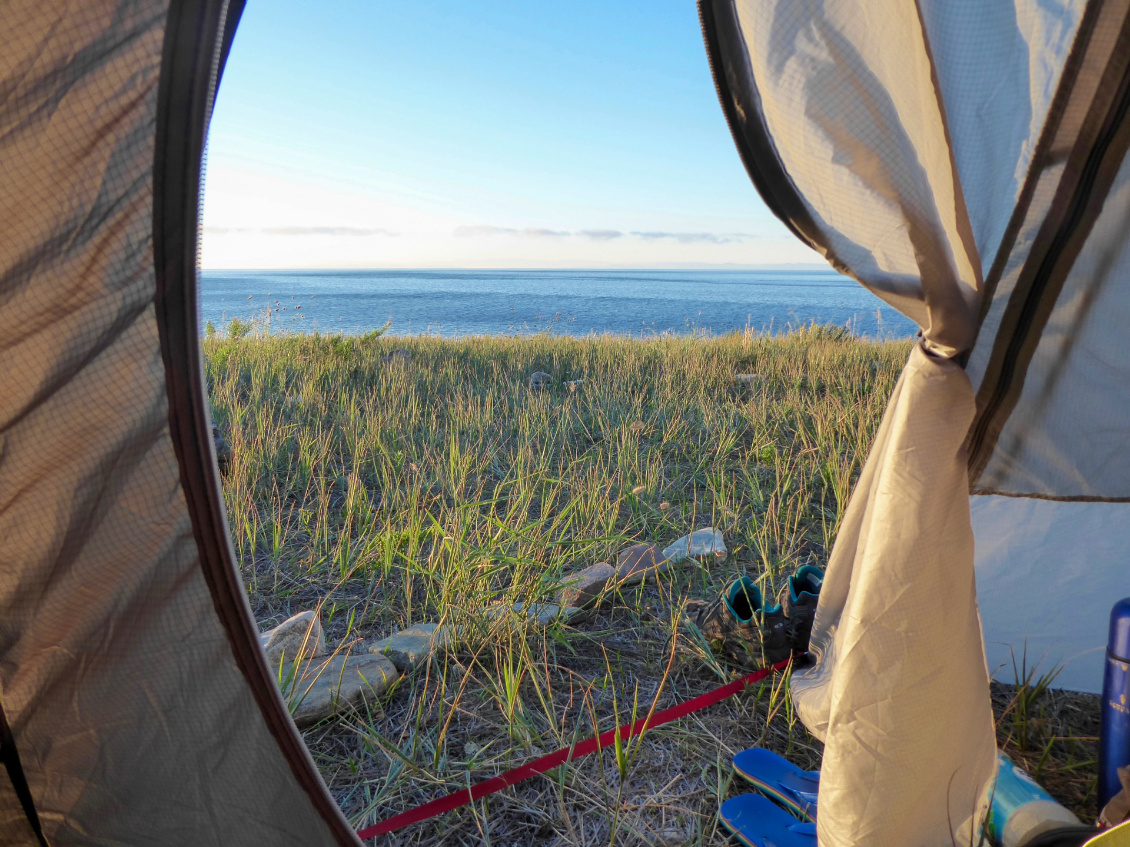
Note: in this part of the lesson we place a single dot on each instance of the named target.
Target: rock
(539, 380)
(223, 449)
(396, 357)
(298, 633)
(412, 647)
(701, 542)
(330, 686)
(748, 380)
(582, 588)
(638, 562)
(637, 426)
(540, 613)
(546, 613)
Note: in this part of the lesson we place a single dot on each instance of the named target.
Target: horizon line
(733, 266)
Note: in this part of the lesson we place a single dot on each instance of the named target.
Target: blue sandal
(781, 780)
(757, 821)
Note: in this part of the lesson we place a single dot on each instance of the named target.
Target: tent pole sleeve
(195, 43)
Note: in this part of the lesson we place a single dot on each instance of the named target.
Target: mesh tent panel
(133, 721)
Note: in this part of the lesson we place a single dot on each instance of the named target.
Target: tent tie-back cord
(463, 796)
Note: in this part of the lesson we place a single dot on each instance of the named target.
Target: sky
(496, 134)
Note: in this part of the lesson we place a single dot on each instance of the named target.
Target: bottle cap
(1119, 644)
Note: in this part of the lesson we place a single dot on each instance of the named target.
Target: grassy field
(387, 493)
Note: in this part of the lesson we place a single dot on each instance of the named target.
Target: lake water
(573, 302)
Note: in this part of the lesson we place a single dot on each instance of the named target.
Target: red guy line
(463, 796)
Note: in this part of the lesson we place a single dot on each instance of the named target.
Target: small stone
(701, 542)
(298, 636)
(540, 613)
(412, 647)
(396, 357)
(223, 449)
(748, 380)
(664, 506)
(637, 426)
(539, 380)
(638, 562)
(324, 689)
(582, 588)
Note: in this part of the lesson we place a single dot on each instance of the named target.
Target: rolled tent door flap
(959, 160)
(140, 708)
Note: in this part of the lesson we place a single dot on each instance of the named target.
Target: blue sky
(493, 134)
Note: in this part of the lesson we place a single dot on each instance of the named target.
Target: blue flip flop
(757, 821)
(781, 780)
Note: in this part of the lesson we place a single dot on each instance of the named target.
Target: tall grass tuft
(388, 490)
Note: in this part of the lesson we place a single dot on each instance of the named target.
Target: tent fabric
(1059, 563)
(899, 692)
(962, 161)
(1067, 435)
(138, 711)
(1073, 169)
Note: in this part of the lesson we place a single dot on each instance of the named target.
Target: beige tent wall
(1069, 432)
(961, 160)
(134, 722)
(899, 691)
(1047, 574)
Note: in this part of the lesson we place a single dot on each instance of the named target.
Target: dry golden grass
(386, 493)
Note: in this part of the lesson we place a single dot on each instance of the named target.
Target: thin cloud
(545, 233)
(694, 237)
(603, 234)
(326, 230)
(528, 232)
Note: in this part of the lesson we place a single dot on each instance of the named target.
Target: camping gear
(1069, 836)
(964, 161)
(1021, 809)
(1114, 736)
(799, 599)
(757, 821)
(741, 625)
(781, 780)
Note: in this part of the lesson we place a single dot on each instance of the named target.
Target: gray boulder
(323, 688)
(582, 588)
(411, 647)
(299, 635)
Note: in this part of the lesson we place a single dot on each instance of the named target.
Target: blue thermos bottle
(1114, 739)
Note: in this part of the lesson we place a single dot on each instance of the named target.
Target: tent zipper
(1079, 201)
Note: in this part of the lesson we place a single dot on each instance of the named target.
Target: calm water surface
(474, 302)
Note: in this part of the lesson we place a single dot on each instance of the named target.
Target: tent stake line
(463, 796)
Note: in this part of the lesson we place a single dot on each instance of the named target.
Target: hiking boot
(799, 600)
(740, 625)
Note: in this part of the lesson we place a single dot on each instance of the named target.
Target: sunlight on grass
(393, 490)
